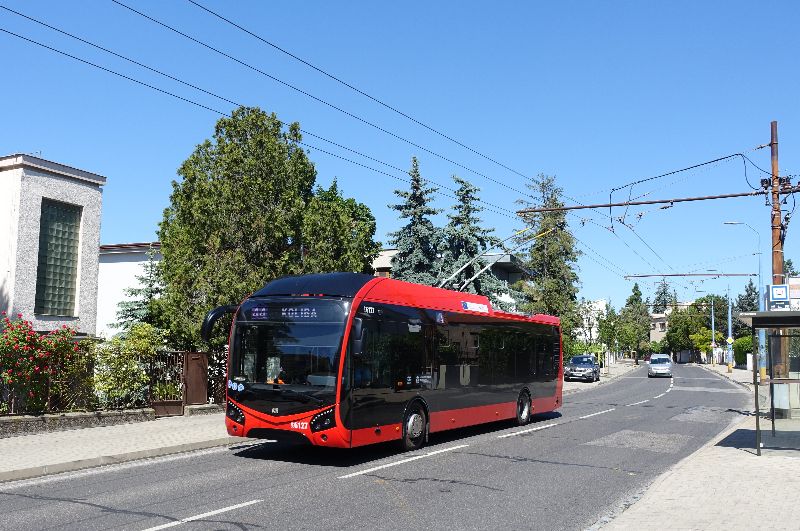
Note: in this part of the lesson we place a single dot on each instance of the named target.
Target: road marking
(598, 413)
(637, 403)
(204, 515)
(529, 430)
(659, 396)
(402, 461)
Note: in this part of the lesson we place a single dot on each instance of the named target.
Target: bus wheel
(414, 427)
(523, 408)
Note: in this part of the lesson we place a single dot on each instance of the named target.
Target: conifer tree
(463, 239)
(418, 240)
(139, 306)
(551, 258)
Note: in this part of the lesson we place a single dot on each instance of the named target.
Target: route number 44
(299, 425)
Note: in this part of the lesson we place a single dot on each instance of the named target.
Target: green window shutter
(57, 271)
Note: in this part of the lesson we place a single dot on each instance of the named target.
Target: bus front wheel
(523, 408)
(414, 427)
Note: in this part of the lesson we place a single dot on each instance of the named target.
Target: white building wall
(118, 272)
(10, 184)
(45, 179)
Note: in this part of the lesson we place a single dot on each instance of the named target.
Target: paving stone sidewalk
(724, 485)
(39, 454)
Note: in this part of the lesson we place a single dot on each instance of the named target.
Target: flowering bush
(29, 361)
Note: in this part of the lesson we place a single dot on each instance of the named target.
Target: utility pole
(729, 340)
(713, 334)
(777, 244)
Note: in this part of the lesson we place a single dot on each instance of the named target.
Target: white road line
(402, 461)
(529, 430)
(659, 396)
(668, 390)
(637, 403)
(598, 413)
(204, 515)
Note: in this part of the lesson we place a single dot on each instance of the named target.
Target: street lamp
(761, 332)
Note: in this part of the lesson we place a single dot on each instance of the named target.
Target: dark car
(583, 368)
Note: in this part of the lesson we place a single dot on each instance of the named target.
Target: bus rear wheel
(523, 408)
(414, 427)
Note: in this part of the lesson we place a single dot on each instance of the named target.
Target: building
(49, 236)
(589, 329)
(120, 265)
(659, 322)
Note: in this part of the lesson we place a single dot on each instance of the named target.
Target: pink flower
(19, 316)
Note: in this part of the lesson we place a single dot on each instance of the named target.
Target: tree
(462, 240)
(682, 324)
(635, 319)
(588, 321)
(703, 307)
(789, 269)
(337, 234)
(418, 240)
(140, 307)
(701, 340)
(607, 326)
(551, 257)
(745, 302)
(236, 220)
(664, 298)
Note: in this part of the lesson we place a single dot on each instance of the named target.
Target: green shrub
(741, 348)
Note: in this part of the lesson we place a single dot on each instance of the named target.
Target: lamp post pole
(762, 357)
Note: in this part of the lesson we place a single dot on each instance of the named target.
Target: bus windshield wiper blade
(307, 397)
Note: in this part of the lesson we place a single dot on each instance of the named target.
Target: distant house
(658, 326)
(49, 234)
(120, 265)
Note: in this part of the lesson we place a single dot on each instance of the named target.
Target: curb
(746, 385)
(71, 466)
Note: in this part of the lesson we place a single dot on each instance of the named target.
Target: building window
(662, 327)
(57, 271)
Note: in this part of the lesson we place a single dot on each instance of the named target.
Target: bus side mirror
(212, 317)
(357, 335)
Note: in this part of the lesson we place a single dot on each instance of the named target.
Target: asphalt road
(563, 471)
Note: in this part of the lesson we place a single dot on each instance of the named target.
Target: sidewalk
(38, 454)
(724, 485)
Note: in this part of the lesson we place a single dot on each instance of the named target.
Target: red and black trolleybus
(345, 360)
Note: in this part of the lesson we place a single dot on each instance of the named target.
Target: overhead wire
(352, 87)
(316, 98)
(205, 91)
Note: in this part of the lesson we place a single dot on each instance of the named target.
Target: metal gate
(166, 383)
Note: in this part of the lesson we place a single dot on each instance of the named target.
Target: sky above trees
(597, 94)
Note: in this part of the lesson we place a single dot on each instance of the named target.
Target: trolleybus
(345, 360)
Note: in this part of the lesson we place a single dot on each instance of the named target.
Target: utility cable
(315, 98)
(205, 91)
(352, 87)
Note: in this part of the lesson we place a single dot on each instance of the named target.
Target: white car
(659, 365)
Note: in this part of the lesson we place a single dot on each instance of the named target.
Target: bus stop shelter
(776, 378)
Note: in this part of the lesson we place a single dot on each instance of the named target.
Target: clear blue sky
(598, 94)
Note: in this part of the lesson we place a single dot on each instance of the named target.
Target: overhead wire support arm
(654, 201)
(692, 275)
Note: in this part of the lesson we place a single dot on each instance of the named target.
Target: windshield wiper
(306, 397)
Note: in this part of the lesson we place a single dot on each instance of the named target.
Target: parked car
(583, 367)
(659, 365)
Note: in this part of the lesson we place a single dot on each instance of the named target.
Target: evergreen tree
(418, 240)
(337, 234)
(635, 319)
(664, 298)
(240, 217)
(745, 302)
(462, 240)
(141, 299)
(551, 258)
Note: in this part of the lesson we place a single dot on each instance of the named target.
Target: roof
(334, 284)
(770, 319)
(129, 247)
(22, 160)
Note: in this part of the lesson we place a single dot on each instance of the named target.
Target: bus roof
(392, 291)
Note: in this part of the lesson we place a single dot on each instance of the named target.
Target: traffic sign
(729, 340)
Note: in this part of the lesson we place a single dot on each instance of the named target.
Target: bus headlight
(323, 421)
(234, 413)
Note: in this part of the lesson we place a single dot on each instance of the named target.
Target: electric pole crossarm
(656, 201)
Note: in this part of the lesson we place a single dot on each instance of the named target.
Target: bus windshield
(285, 353)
